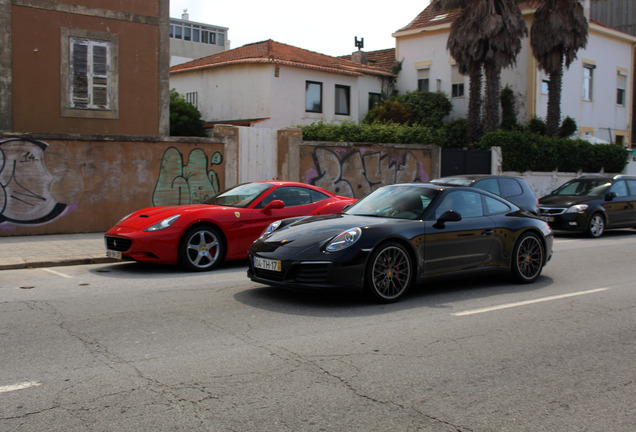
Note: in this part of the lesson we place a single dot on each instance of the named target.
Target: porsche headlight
(163, 224)
(344, 240)
(579, 208)
(270, 229)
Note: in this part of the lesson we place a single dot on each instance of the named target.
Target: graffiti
(356, 173)
(190, 183)
(27, 188)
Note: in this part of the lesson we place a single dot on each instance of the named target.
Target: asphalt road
(129, 347)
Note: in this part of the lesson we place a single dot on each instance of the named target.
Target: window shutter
(79, 73)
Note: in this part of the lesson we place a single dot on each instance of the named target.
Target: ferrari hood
(144, 218)
(563, 200)
(318, 229)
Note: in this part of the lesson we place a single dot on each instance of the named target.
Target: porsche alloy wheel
(527, 258)
(389, 273)
(202, 248)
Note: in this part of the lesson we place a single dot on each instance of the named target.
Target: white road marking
(527, 302)
(20, 386)
(57, 273)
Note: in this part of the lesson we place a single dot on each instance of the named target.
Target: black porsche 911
(399, 235)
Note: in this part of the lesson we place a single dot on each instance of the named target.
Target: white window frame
(343, 100)
(99, 74)
(587, 92)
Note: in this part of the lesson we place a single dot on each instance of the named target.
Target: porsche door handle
(487, 232)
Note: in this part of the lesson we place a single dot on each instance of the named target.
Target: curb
(57, 263)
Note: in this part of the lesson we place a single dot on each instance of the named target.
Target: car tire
(527, 258)
(596, 226)
(201, 248)
(389, 273)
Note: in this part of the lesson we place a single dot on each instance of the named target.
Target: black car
(399, 235)
(512, 188)
(592, 204)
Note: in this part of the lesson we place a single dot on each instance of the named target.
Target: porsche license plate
(113, 254)
(267, 264)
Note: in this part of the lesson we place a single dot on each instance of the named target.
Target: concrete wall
(64, 184)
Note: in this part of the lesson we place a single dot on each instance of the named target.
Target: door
(620, 207)
(459, 245)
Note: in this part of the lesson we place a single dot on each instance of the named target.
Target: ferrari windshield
(584, 187)
(240, 196)
(397, 201)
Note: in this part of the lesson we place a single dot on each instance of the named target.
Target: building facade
(273, 85)
(597, 87)
(191, 40)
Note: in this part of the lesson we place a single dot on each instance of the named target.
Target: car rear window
(510, 187)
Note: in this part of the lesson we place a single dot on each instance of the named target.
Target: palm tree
(559, 30)
(486, 33)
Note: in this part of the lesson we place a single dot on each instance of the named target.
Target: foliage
(508, 109)
(185, 118)
(527, 151)
(389, 111)
(568, 127)
(455, 133)
(536, 125)
(371, 133)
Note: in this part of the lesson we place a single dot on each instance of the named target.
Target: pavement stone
(53, 250)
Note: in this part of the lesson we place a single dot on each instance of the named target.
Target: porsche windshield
(588, 187)
(400, 202)
(240, 196)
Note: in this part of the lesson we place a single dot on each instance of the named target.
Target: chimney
(360, 57)
(185, 16)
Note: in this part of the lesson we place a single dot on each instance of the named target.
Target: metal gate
(258, 154)
(455, 162)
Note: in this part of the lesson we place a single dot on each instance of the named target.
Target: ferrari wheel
(202, 248)
(596, 226)
(389, 273)
(527, 258)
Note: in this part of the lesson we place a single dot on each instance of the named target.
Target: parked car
(200, 236)
(398, 236)
(512, 188)
(592, 204)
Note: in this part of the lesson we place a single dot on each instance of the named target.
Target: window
(342, 99)
(494, 206)
(620, 90)
(192, 98)
(89, 74)
(467, 204)
(510, 187)
(374, 99)
(544, 86)
(490, 185)
(458, 90)
(620, 189)
(588, 81)
(423, 79)
(313, 97)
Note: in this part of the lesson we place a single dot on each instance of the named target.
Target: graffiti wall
(66, 186)
(355, 171)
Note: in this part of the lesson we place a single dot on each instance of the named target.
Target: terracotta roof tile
(270, 51)
(429, 18)
(383, 59)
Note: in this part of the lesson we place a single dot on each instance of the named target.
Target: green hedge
(521, 150)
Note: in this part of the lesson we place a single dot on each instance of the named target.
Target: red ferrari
(200, 236)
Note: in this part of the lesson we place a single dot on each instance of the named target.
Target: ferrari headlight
(270, 229)
(163, 224)
(344, 240)
(579, 208)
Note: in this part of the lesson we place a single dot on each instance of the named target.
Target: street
(132, 347)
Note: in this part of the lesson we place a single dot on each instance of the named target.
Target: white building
(191, 40)
(597, 87)
(274, 85)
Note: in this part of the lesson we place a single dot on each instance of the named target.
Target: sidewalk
(52, 250)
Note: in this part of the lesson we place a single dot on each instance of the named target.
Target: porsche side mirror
(447, 216)
(610, 196)
(274, 205)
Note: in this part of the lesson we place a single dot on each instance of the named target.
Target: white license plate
(113, 254)
(267, 264)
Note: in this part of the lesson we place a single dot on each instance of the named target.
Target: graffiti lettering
(356, 173)
(189, 183)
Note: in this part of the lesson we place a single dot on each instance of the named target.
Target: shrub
(185, 118)
(568, 127)
(536, 125)
(387, 112)
(427, 108)
(456, 134)
(508, 109)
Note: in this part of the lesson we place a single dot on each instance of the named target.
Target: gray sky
(327, 26)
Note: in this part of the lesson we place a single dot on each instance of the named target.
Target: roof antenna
(359, 43)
